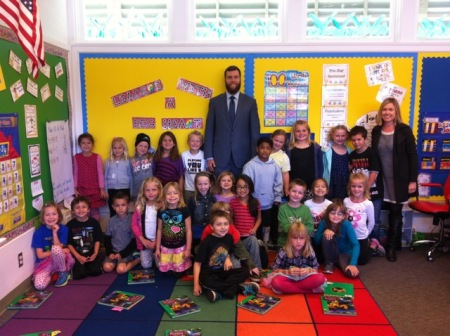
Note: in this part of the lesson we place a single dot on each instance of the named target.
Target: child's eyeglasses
(337, 213)
(241, 188)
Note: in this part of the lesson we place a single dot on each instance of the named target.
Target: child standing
(117, 171)
(141, 163)
(364, 160)
(193, 162)
(247, 216)
(318, 204)
(52, 255)
(338, 240)
(266, 176)
(280, 157)
(88, 177)
(213, 272)
(167, 163)
(360, 213)
(85, 235)
(293, 211)
(335, 162)
(144, 222)
(119, 241)
(305, 155)
(200, 205)
(295, 270)
(224, 187)
(174, 234)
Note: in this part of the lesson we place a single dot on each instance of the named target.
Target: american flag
(22, 16)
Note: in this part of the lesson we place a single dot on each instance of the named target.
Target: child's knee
(122, 268)
(108, 267)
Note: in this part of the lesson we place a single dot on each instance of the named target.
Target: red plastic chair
(440, 212)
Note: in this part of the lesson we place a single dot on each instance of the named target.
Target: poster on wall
(12, 204)
(285, 97)
(60, 157)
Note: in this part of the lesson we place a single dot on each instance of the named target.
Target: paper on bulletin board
(31, 121)
(38, 202)
(333, 116)
(35, 160)
(2, 80)
(335, 74)
(379, 73)
(36, 188)
(388, 90)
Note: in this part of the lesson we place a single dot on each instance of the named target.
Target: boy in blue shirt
(266, 176)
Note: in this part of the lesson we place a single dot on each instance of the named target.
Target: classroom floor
(73, 310)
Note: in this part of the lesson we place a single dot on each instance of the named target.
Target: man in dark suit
(232, 127)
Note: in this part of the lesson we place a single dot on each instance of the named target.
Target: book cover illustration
(259, 303)
(121, 299)
(179, 306)
(136, 277)
(184, 332)
(44, 333)
(31, 299)
(338, 299)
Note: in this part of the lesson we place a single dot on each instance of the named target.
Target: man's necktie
(232, 110)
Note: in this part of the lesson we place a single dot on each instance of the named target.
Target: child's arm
(370, 213)
(308, 219)
(136, 227)
(101, 177)
(197, 288)
(285, 177)
(41, 254)
(75, 176)
(278, 187)
(227, 265)
(158, 239)
(257, 224)
(95, 254)
(187, 223)
(130, 248)
(108, 246)
(372, 178)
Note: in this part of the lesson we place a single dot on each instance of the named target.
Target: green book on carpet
(120, 299)
(138, 277)
(179, 306)
(338, 299)
(259, 303)
(44, 333)
(31, 299)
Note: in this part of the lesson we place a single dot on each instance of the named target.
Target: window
(434, 19)
(125, 20)
(348, 18)
(237, 20)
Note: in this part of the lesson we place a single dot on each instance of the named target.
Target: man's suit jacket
(222, 138)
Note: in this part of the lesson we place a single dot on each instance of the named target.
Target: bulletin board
(107, 76)
(32, 115)
(433, 123)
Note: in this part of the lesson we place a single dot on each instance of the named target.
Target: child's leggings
(311, 284)
(59, 261)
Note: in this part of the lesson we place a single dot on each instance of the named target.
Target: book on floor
(259, 303)
(184, 332)
(179, 306)
(137, 277)
(31, 299)
(44, 333)
(338, 299)
(121, 299)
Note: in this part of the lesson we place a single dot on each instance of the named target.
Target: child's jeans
(59, 261)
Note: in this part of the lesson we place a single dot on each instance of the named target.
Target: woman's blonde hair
(355, 177)
(298, 229)
(299, 123)
(398, 115)
(141, 201)
(176, 186)
(121, 141)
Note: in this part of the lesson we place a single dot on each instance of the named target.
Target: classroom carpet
(73, 310)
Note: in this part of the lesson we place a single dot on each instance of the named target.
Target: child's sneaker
(137, 255)
(63, 279)
(211, 295)
(249, 288)
(328, 269)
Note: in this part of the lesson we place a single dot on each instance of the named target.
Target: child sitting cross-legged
(213, 271)
(295, 267)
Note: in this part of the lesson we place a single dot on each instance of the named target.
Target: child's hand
(353, 270)
(252, 232)
(55, 228)
(187, 254)
(227, 265)
(197, 289)
(255, 271)
(81, 259)
(157, 254)
(112, 256)
(148, 244)
(91, 257)
(328, 234)
(104, 194)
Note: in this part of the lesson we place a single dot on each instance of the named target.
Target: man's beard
(231, 91)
